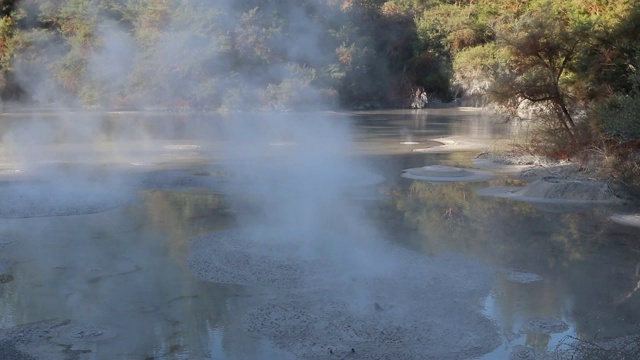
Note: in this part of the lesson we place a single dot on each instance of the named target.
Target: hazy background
(229, 55)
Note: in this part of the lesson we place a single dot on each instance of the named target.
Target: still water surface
(126, 268)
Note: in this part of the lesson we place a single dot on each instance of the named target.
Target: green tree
(75, 24)
(544, 45)
(9, 43)
(361, 69)
(444, 30)
(615, 68)
(612, 60)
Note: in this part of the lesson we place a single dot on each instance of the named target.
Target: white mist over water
(59, 171)
(335, 283)
(289, 175)
(299, 191)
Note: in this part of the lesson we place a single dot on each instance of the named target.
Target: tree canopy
(286, 54)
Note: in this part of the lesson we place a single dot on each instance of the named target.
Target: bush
(548, 138)
(618, 117)
(625, 168)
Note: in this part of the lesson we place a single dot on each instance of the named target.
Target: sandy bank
(553, 186)
(627, 219)
(459, 143)
(558, 194)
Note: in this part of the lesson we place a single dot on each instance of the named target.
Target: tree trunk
(565, 119)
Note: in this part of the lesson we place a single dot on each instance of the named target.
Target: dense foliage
(555, 57)
(203, 54)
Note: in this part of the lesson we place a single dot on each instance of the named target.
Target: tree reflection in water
(589, 265)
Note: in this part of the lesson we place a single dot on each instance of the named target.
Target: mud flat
(546, 325)
(458, 143)
(329, 303)
(440, 173)
(627, 219)
(558, 194)
(527, 167)
(51, 340)
(43, 200)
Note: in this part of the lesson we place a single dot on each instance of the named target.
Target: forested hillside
(281, 54)
(204, 54)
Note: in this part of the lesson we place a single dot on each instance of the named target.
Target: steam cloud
(289, 173)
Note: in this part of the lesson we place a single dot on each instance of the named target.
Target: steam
(111, 64)
(289, 174)
(57, 170)
(292, 173)
(294, 168)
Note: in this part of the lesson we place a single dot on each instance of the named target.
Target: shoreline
(564, 186)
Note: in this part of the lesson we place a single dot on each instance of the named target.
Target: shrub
(625, 168)
(548, 138)
(618, 117)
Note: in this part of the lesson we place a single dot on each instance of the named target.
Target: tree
(9, 45)
(611, 62)
(544, 45)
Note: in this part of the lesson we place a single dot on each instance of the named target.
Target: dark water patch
(6, 278)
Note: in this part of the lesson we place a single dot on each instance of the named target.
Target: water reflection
(401, 131)
(125, 268)
(588, 264)
(32, 139)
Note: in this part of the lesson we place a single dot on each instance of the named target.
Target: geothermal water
(208, 241)
(340, 287)
(328, 303)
